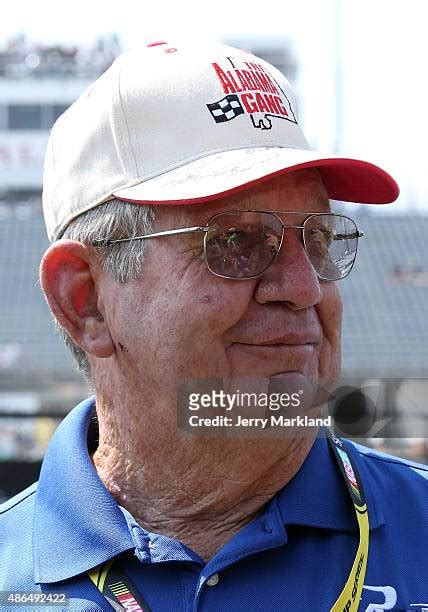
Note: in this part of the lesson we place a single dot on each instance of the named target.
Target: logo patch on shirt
(389, 595)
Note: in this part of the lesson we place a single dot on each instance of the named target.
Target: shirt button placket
(213, 580)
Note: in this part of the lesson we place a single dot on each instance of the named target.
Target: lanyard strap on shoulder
(117, 588)
(122, 595)
(349, 598)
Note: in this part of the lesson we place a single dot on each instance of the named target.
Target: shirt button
(213, 580)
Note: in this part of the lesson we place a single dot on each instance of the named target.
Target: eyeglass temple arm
(356, 234)
(184, 230)
(192, 230)
(348, 236)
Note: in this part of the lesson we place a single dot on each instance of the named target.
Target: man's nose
(291, 278)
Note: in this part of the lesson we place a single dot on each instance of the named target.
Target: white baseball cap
(186, 124)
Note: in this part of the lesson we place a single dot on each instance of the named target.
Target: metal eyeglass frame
(206, 228)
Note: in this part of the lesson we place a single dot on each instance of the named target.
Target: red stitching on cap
(157, 43)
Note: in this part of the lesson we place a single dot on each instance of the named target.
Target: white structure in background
(37, 84)
(27, 112)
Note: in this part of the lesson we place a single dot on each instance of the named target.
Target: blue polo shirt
(296, 556)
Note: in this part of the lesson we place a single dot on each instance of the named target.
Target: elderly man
(193, 240)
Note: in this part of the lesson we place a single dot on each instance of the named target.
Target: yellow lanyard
(122, 595)
(117, 588)
(349, 598)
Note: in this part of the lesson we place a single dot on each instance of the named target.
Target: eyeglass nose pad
(291, 278)
(292, 241)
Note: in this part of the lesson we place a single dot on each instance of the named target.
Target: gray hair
(124, 261)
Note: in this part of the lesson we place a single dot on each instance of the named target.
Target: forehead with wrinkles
(299, 190)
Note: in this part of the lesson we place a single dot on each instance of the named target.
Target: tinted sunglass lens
(331, 243)
(242, 244)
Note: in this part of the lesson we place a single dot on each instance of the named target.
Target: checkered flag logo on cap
(226, 109)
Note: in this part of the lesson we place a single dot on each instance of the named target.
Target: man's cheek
(330, 312)
(220, 307)
(330, 315)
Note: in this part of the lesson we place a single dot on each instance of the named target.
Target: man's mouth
(278, 357)
(293, 339)
(277, 348)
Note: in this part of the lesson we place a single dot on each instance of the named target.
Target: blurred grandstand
(24, 58)
(386, 296)
(385, 339)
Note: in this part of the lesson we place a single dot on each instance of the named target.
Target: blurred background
(358, 68)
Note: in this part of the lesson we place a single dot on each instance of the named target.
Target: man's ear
(66, 276)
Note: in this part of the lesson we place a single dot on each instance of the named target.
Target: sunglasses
(242, 244)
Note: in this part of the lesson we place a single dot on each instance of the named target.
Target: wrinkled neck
(199, 491)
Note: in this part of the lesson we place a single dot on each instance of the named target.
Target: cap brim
(219, 174)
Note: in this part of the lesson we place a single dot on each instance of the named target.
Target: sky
(361, 81)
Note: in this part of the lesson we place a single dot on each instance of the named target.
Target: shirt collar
(77, 522)
(317, 496)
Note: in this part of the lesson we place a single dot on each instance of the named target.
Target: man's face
(179, 321)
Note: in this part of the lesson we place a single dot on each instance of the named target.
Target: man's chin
(303, 389)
